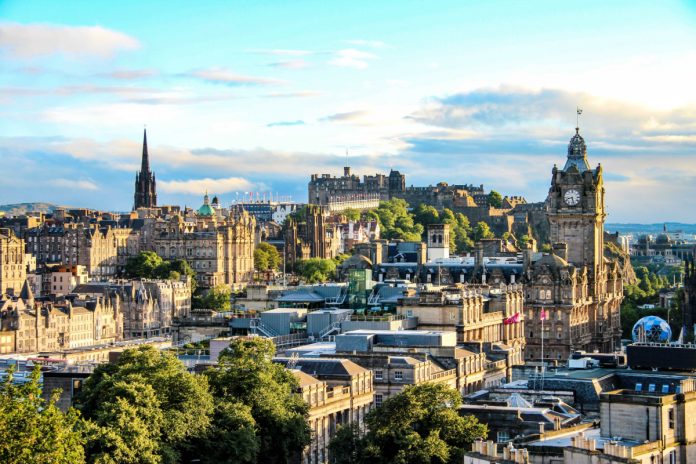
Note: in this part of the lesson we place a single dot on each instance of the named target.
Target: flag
(514, 319)
(579, 110)
(543, 315)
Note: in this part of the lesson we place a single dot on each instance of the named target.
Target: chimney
(478, 254)
(561, 250)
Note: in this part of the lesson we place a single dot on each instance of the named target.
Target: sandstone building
(576, 289)
(13, 270)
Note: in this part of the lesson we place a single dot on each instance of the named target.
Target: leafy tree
(247, 375)
(143, 265)
(426, 215)
(495, 199)
(396, 222)
(482, 231)
(218, 298)
(183, 268)
(420, 425)
(266, 257)
(546, 248)
(33, 430)
(232, 438)
(351, 214)
(524, 240)
(315, 270)
(145, 408)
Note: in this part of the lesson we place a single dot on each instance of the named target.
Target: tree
(315, 270)
(143, 265)
(426, 215)
(420, 425)
(145, 408)
(351, 214)
(495, 199)
(183, 268)
(218, 298)
(266, 257)
(247, 375)
(482, 231)
(396, 222)
(33, 430)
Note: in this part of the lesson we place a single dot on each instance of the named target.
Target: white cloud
(352, 58)
(198, 186)
(225, 76)
(290, 64)
(34, 40)
(74, 184)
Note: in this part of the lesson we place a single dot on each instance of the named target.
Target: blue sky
(256, 96)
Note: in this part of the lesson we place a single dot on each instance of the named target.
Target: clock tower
(575, 208)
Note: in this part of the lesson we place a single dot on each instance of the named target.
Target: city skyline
(459, 93)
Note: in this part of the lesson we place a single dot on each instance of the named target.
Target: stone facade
(338, 392)
(47, 326)
(575, 288)
(219, 249)
(13, 270)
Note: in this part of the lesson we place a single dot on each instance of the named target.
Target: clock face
(572, 197)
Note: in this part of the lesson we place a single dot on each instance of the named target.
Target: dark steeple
(145, 166)
(145, 192)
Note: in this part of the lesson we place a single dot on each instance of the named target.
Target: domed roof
(206, 209)
(577, 153)
(663, 239)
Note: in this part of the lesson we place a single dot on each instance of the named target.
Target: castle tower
(575, 207)
(145, 193)
(438, 241)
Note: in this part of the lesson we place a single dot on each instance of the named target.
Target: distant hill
(22, 208)
(656, 228)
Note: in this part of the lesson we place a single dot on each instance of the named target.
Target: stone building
(488, 319)
(219, 248)
(147, 307)
(145, 185)
(318, 236)
(13, 270)
(576, 289)
(338, 392)
(41, 326)
(326, 189)
(88, 245)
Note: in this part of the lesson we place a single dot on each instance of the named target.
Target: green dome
(206, 210)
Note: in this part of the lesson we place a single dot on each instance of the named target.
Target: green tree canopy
(482, 231)
(143, 265)
(248, 383)
(495, 199)
(396, 221)
(420, 425)
(218, 298)
(33, 430)
(266, 257)
(351, 214)
(315, 270)
(145, 408)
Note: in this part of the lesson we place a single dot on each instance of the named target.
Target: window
(378, 400)
(398, 375)
(503, 437)
(670, 421)
(378, 375)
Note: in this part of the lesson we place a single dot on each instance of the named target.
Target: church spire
(145, 167)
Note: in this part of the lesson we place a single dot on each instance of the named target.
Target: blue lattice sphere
(651, 329)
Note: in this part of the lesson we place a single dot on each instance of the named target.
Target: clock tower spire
(575, 207)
